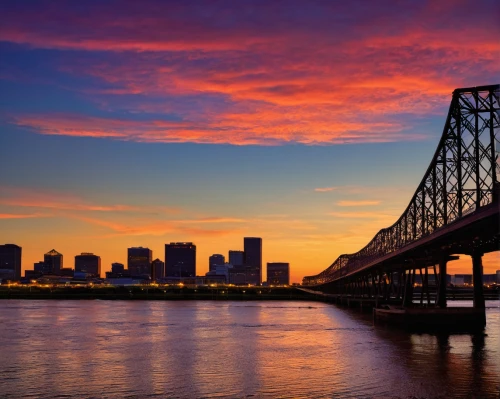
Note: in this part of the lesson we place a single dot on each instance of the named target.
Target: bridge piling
(408, 294)
(400, 285)
(426, 284)
(441, 300)
(422, 287)
(477, 276)
(389, 290)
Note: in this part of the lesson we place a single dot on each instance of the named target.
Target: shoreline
(154, 293)
(236, 293)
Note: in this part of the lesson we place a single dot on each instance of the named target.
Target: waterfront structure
(180, 260)
(117, 268)
(221, 270)
(237, 258)
(139, 261)
(89, 264)
(10, 262)
(66, 272)
(214, 260)
(454, 211)
(41, 267)
(253, 259)
(461, 279)
(32, 274)
(53, 262)
(117, 271)
(278, 273)
(157, 269)
(489, 279)
(237, 276)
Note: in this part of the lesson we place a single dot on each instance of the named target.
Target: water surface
(194, 349)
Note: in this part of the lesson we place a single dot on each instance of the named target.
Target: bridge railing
(461, 178)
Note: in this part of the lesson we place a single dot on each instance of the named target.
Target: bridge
(454, 211)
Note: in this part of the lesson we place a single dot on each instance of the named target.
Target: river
(208, 349)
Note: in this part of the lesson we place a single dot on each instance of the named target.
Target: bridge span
(454, 211)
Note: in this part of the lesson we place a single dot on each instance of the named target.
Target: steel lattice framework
(461, 179)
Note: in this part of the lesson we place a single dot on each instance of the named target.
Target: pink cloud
(339, 75)
(325, 189)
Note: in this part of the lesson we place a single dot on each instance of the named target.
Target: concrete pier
(432, 319)
(477, 278)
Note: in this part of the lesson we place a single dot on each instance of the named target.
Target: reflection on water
(233, 349)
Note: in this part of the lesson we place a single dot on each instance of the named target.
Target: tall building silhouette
(117, 268)
(88, 263)
(10, 262)
(53, 261)
(236, 258)
(180, 259)
(40, 267)
(278, 273)
(253, 259)
(139, 261)
(157, 269)
(214, 260)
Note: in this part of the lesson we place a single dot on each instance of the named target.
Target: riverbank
(153, 293)
(175, 292)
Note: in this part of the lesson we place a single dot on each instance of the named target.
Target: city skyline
(309, 125)
(182, 255)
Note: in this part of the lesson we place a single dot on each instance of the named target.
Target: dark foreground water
(195, 349)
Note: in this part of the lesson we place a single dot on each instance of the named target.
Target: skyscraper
(180, 259)
(214, 260)
(117, 268)
(139, 261)
(236, 258)
(10, 262)
(53, 261)
(157, 269)
(88, 263)
(253, 258)
(40, 267)
(278, 273)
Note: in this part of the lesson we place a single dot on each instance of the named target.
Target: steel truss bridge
(454, 211)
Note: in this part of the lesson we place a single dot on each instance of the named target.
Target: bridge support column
(421, 287)
(426, 283)
(477, 277)
(389, 290)
(441, 300)
(408, 295)
(399, 292)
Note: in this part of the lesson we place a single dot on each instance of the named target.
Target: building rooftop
(53, 252)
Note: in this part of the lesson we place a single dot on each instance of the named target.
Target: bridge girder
(455, 209)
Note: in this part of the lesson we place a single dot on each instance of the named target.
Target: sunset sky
(307, 123)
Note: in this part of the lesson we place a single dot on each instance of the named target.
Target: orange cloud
(214, 220)
(362, 215)
(32, 198)
(226, 131)
(146, 227)
(358, 203)
(21, 216)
